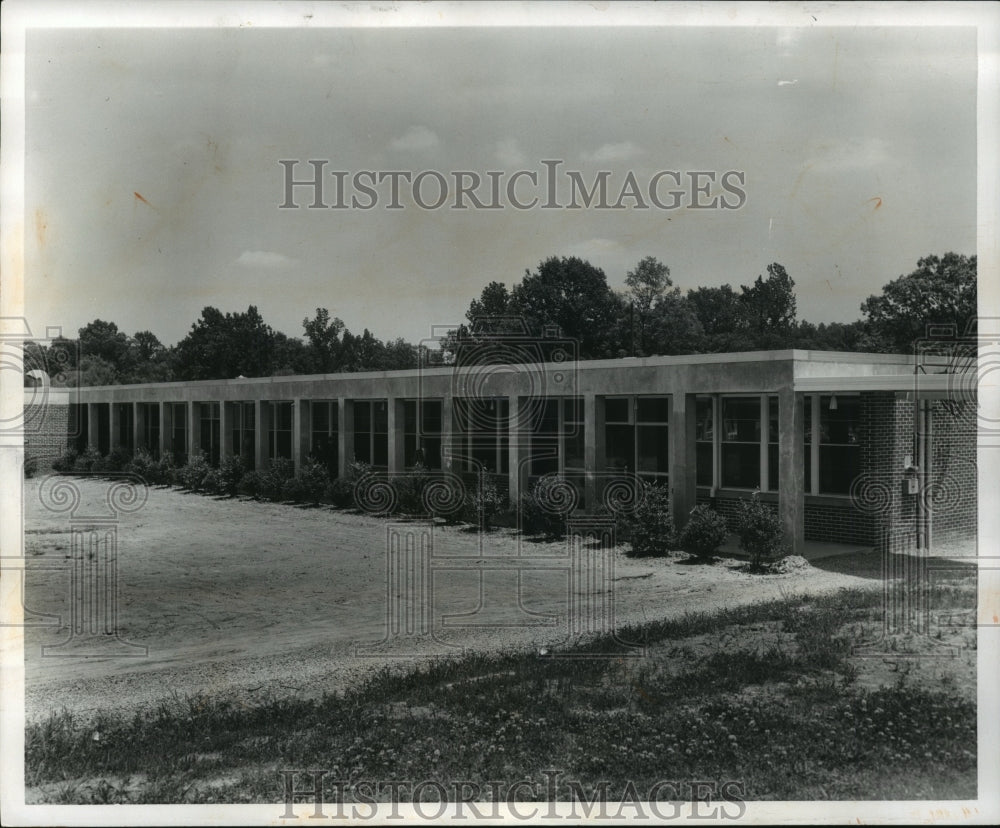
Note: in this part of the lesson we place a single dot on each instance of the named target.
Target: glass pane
(616, 411)
(838, 466)
(772, 420)
(320, 413)
(573, 410)
(380, 450)
(410, 416)
(807, 413)
(362, 448)
(654, 452)
(410, 450)
(380, 417)
(619, 447)
(362, 417)
(741, 466)
(432, 452)
(842, 425)
(573, 447)
(741, 420)
(703, 418)
(704, 475)
(653, 410)
(772, 468)
(432, 417)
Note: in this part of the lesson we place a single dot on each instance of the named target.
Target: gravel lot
(246, 599)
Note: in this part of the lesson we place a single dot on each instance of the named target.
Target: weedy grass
(780, 712)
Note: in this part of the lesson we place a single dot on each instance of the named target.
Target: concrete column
(683, 456)
(345, 435)
(765, 436)
(519, 442)
(590, 493)
(447, 431)
(93, 426)
(225, 438)
(262, 434)
(791, 497)
(814, 414)
(397, 444)
(114, 425)
(166, 429)
(301, 431)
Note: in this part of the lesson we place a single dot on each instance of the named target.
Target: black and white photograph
(502, 412)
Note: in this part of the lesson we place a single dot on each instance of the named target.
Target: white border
(18, 15)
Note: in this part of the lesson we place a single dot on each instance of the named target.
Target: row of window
(736, 436)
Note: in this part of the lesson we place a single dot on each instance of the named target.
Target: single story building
(843, 445)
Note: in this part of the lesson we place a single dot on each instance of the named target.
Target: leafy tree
(222, 346)
(674, 327)
(323, 334)
(93, 370)
(722, 317)
(103, 339)
(942, 290)
(769, 308)
(647, 283)
(146, 347)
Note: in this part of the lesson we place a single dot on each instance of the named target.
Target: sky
(153, 180)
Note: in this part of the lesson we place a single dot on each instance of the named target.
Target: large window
(483, 427)
(371, 432)
(839, 443)
(323, 419)
(422, 433)
(150, 434)
(636, 436)
(741, 442)
(772, 444)
(573, 434)
(209, 433)
(705, 440)
(280, 433)
(243, 433)
(178, 432)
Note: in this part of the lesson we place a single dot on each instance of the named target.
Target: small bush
(212, 482)
(704, 532)
(410, 489)
(313, 480)
(759, 529)
(485, 502)
(146, 467)
(274, 478)
(65, 461)
(536, 519)
(651, 525)
(340, 493)
(250, 484)
(192, 474)
(231, 471)
(30, 466)
(85, 462)
(118, 459)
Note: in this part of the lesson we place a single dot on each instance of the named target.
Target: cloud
(608, 153)
(264, 259)
(416, 138)
(509, 153)
(596, 248)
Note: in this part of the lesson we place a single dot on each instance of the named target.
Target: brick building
(843, 446)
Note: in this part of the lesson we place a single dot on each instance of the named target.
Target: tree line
(565, 299)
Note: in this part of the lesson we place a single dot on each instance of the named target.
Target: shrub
(536, 519)
(30, 466)
(144, 466)
(85, 462)
(485, 502)
(704, 532)
(293, 490)
(65, 461)
(313, 480)
(231, 471)
(274, 478)
(759, 529)
(410, 490)
(250, 484)
(192, 474)
(118, 459)
(651, 524)
(340, 493)
(212, 482)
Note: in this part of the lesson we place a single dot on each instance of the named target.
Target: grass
(764, 694)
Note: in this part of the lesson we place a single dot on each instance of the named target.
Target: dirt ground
(246, 599)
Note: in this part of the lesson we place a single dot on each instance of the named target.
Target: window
(573, 434)
(839, 443)
(741, 442)
(545, 439)
(422, 433)
(125, 431)
(371, 432)
(209, 430)
(483, 425)
(150, 435)
(772, 444)
(178, 432)
(636, 436)
(280, 433)
(243, 433)
(705, 440)
(323, 419)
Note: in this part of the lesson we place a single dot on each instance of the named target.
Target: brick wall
(953, 496)
(46, 434)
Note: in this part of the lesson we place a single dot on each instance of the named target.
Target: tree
(674, 327)
(941, 291)
(223, 346)
(769, 307)
(647, 285)
(103, 339)
(722, 317)
(323, 334)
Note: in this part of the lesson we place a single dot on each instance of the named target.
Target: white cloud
(509, 153)
(264, 259)
(416, 138)
(608, 153)
(596, 248)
